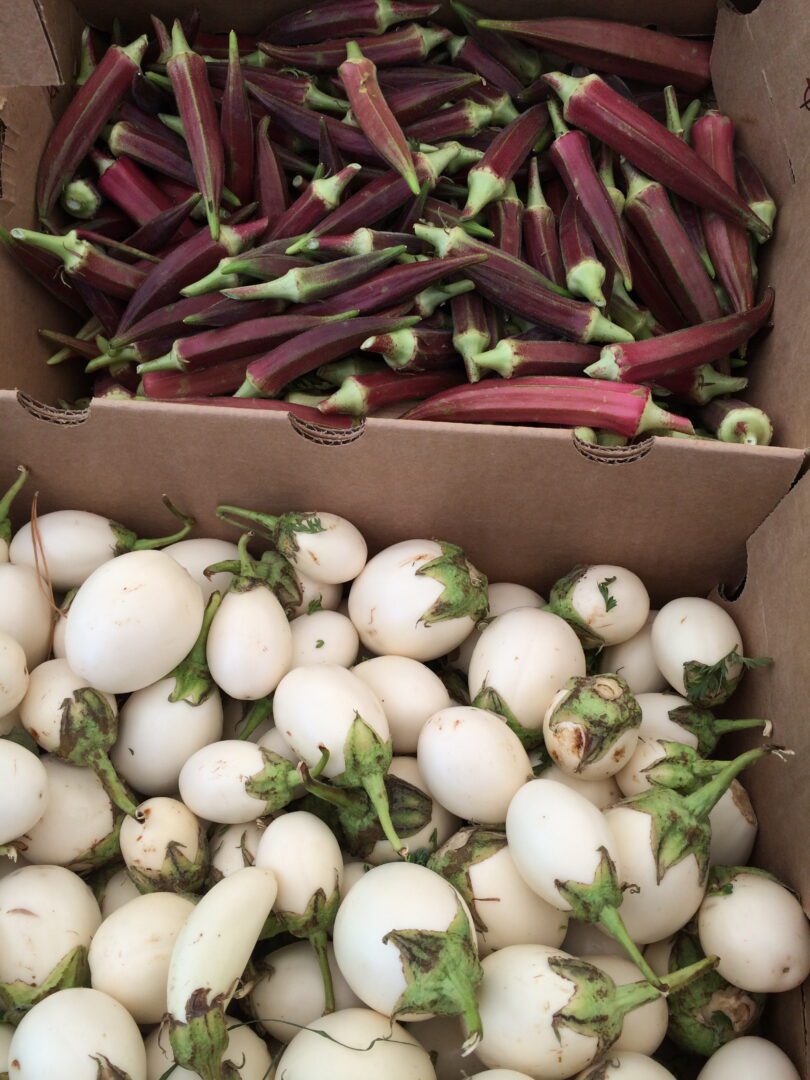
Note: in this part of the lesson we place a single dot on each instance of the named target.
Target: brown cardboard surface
(27, 55)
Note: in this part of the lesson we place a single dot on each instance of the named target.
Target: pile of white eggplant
(273, 808)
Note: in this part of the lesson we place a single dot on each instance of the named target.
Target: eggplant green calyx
(8, 499)
(464, 592)
(314, 925)
(442, 973)
(455, 859)
(104, 851)
(561, 603)
(272, 571)
(595, 711)
(193, 682)
(488, 698)
(722, 878)
(712, 684)
(200, 1043)
(276, 784)
(367, 759)
(127, 540)
(282, 529)
(89, 729)
(18, 998)
(708, 728)
(681, 768)
(178, 873)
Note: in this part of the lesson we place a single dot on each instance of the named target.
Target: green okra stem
(489, 178)
(321, 281)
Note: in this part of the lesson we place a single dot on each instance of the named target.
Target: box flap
(36, 42)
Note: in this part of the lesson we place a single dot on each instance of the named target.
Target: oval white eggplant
(165, 825)
(503, 596)
(233, 847)
(316, 596)
(634, 661)
(324, 637)
(41, 708)
(472, 763)
(734, 828)
(409, 692)
(74, 543)
(643, 1029)
(213, 782)
(609, 602)
(442, 823)
(627, 1065)
(246, 1051)
(201, 552)
(249, 645)
(692, 629)
(156, 736)
(394, 603)
(13, 674)
(289, 991)
(129, 955)
(77, 1033)
(132, 621)
(656, 722)
(305, 857)
(602, 793)
(79, 815)
(326, 547)
(526, 656)
(23, 790)
(25, 612)
(749, 1058)
(116, 891)
(360, 1045)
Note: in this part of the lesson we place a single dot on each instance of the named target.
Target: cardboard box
(526, 503)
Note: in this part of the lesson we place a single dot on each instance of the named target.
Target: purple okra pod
(505, 219)
(522, 60)
(320, 199)
(540, 231)
(471, 331)
(752, 188)
(125, 140)
(466, 117)
(318, 282)
(271, 190)
(584, 273)
(413, 103)
(164, 322)
(329, 154)
(307, 124)
(360, 242)
(647, 283)
(513, 357)
(359, 395)
(195, 103)
(237, 128)
(85, 262)
(702, 384)
(489, 178)
(336, 18)
(497, 101)
(45, 267)
(469, 55)
(410, 45)
(733, 420)
(263, 263)
(156, 233)
(414, 349)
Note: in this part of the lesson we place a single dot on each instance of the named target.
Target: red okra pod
(505, 219)
(150, 125)
(395, 284)
(668, 354)
(361, 394)
(88, 332)
(76, 346)
(320, 198)
(540, 231)
(702, 384)
(269, 374)
(407, 46)
(329, 154)
(689, 217)
(249, 338)
(164, 322)
(156, 233)
(516, 357)
(335, 18)
(557, 400)
(497, 101)
(124, 183)
(89, 56)
(584, 273)
(259, 263)
(237, 128)
(138, 352)
(271, 190)
(46, 268)
(82, 121)
(83, 261)
(224, 312)
(648, 209)
(466, 117)
(307, 123)
(471, 332)
(186, 263)
(125, 140)
(300, 89)
(360, 242)
(522, 60)
(623, 310)
(107, 309)
(648, 285)
(313, 283)
(427, 302)
(521, 290)
(469, 55)
(713, 140)
(415, 102)
(221, 378)
(489, 178)
(571, 155)
(619, 48)
(592, 105)
(752, 188)
(733, 420)
(195, 103)
(414, 349)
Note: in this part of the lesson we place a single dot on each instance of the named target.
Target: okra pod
(45, 267)
(733, 420)
(646, 282)
(270, 373)
(516, 357)
(360, 242)
(124, 183)
(81, 199)
(125, 140)
(412, 212)
(702, 384)
(359, 395)
(584, 273)
(393, 285)
(329, 154)
(633, 52)
(251, 337)
(414, 349)
(88, 57)
(540, 231)
(522, 60)
(271, 190)
(668, 354)
(186, 263)
(195, 103)
(489, 178)
(88, 332)
(83, 261)
(138, 352)
(557, 400)
(592, 105)
(167, 321)
(505, 219)
(649, 211)
(257, 263)
(301, 89)
(237, 128)
(521, 290)
(307, 123)
(318, 282)
(320, 199)
(498, 102)
(82, 121)
(218, 379)
(410, 45)
(224, 312)
(571, 155)
(332, 375)
(466, 117)
(127, 252)
(471, 332)
(623, 310)
(753, 190)
(74, 346)
(469, 55)
(334, 18)
(430, 299)
(713, 140)
(415, 102)
(373, 113)
(158, 231)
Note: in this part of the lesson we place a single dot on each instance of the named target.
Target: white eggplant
(503, 596)
(472, 763)
(209, 957)
(132, 621)
(418, 598)
(233, 782)
(13, 674)
(409, 692)
(627, 1065)
(25, 611)
(129, 955)
(41, 709)
(405, 942)
(441, 825)
(165, 848)
(245, 1051)
(657, 721)
(734, 828)
(643, 1029)
(23, 791)
(289, 993)
(602, 793)
(79, 1033)
(521, 661)
(591, 726)
(757, 929)
(324, 637)
(117, 890)
(198, 554)
(749, 1058)
(634, 661)
(233, 847)
(606, 605)
(355, 1044)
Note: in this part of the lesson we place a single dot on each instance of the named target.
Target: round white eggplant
(324, 637)
(699, 649)
(643, 1029)
(409, 692)
(249, 644)
(607, 605)
(78, 827)
(165, 847)
(197, 554)
(13, 674)
(25, 611)
(749, 1058)
(23, 791)
(503, 596)
(634, 661)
